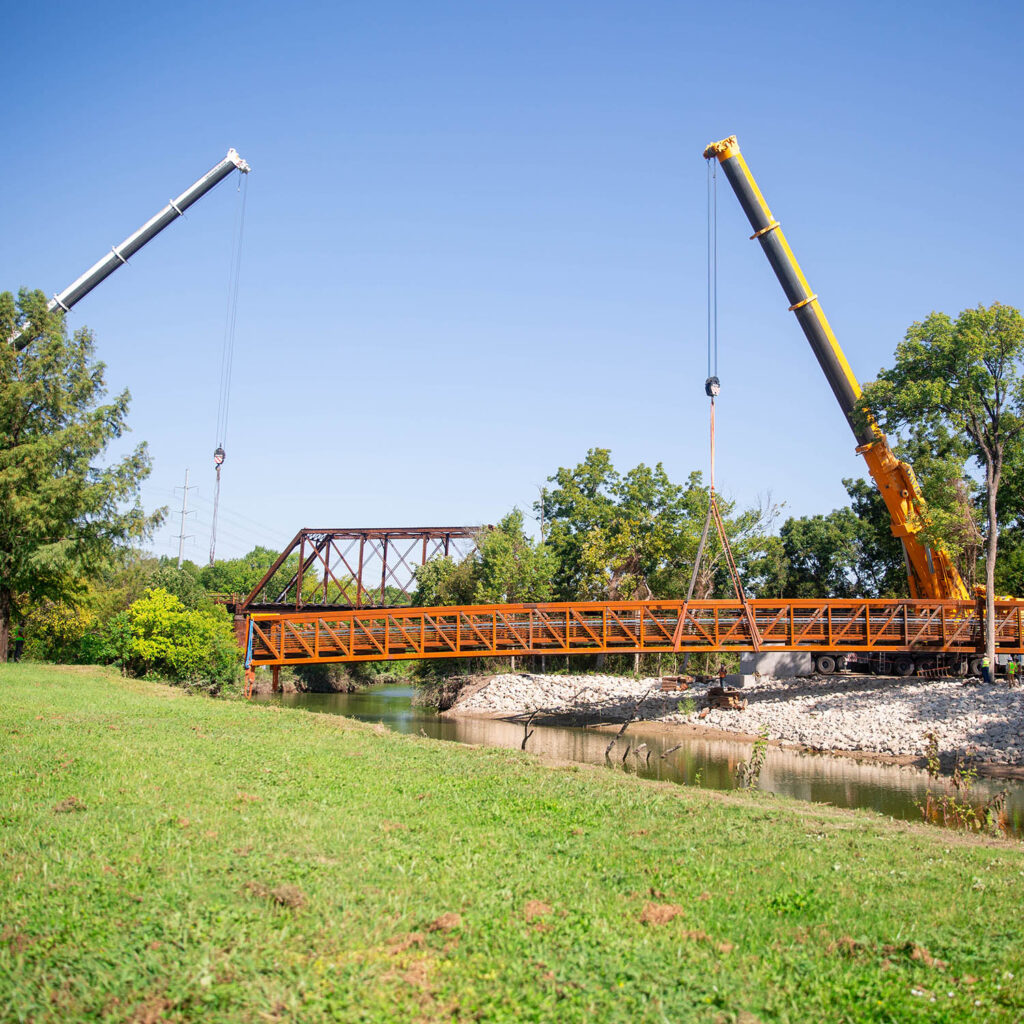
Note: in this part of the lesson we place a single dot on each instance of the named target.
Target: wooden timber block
(675, 683)
(727, 700)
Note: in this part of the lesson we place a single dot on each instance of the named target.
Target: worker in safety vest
(986, 672)
(1011, 672)
(17, 643)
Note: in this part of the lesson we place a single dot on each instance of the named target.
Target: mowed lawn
(171, 857)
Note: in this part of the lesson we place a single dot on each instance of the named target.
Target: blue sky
(475, 234)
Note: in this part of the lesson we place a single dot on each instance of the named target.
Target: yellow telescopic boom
(930, 571)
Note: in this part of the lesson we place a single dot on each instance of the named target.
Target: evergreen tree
(63, 511)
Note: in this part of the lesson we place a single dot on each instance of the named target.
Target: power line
(182, 536)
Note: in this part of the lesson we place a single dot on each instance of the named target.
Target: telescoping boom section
(120, 254)
(930, 571)
(928, 629)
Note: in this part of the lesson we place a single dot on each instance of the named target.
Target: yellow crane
(930, 570)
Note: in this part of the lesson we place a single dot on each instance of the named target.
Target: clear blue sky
(475, 239)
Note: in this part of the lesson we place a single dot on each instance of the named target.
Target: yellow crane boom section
(930, 570)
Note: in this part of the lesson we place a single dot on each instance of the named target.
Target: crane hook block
(218, 456)
(712, 386)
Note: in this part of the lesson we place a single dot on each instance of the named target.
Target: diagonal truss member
(372, 567)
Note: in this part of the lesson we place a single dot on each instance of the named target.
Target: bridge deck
(626, 627)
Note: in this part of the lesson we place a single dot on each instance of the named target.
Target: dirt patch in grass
(660, 913)
(418, 975)
(69, 806)
(445, 923)
(850, 948)
(920, 954)
(400, 943)
(17, 941)
(535, 908)
(151, 1011)
(290, 896)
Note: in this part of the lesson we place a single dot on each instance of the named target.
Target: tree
(821, 554)
(850, 552)
(240, 575)
(635, 536)
(962, 379)
(879, 568)
(507, 568)
(62, 512)
(441, 581)
(579, 508)
(510, 568)
(1010, 567)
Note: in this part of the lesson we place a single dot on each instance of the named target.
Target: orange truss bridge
(628, 627)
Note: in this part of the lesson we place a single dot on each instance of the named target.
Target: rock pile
(846, 712)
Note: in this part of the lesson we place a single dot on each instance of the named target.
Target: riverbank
(176, 857)
(882, 717)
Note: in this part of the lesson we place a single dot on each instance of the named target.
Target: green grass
(182, 858)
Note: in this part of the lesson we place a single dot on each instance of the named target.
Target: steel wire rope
(712, 257)
(227, 358)
(711, 388)
(712, 342)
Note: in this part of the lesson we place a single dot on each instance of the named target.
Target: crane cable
(227, 356)
(712, 386)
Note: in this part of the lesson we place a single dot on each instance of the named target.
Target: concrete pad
(737, 680)
(779, 664)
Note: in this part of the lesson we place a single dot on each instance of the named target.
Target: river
(840, 781)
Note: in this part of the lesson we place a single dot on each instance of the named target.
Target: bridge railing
(623, 627)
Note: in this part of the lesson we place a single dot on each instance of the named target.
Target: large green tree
(635, 535)
(849, 552)
(962, 379)
(64, 507)
(507, 568)
(879, 568)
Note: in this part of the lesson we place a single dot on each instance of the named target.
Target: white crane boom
(134, 242)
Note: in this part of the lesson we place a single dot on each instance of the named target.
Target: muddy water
(839, 781)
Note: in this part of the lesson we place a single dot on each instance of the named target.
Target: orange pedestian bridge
(925, 627)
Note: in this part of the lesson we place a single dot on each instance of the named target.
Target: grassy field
(167, 857)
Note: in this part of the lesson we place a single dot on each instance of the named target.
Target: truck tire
(903, 665)
(825, 664)
(974, 666)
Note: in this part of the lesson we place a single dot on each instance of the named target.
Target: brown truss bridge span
(338, 568)
(627, 627)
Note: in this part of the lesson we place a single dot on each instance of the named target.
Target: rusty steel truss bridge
(346, 568)
(928, 628)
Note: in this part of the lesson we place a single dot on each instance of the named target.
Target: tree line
(77, 585)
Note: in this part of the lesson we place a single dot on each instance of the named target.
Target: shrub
(167, 639)
(55, 632)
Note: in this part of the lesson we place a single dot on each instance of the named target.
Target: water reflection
(839, 781)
